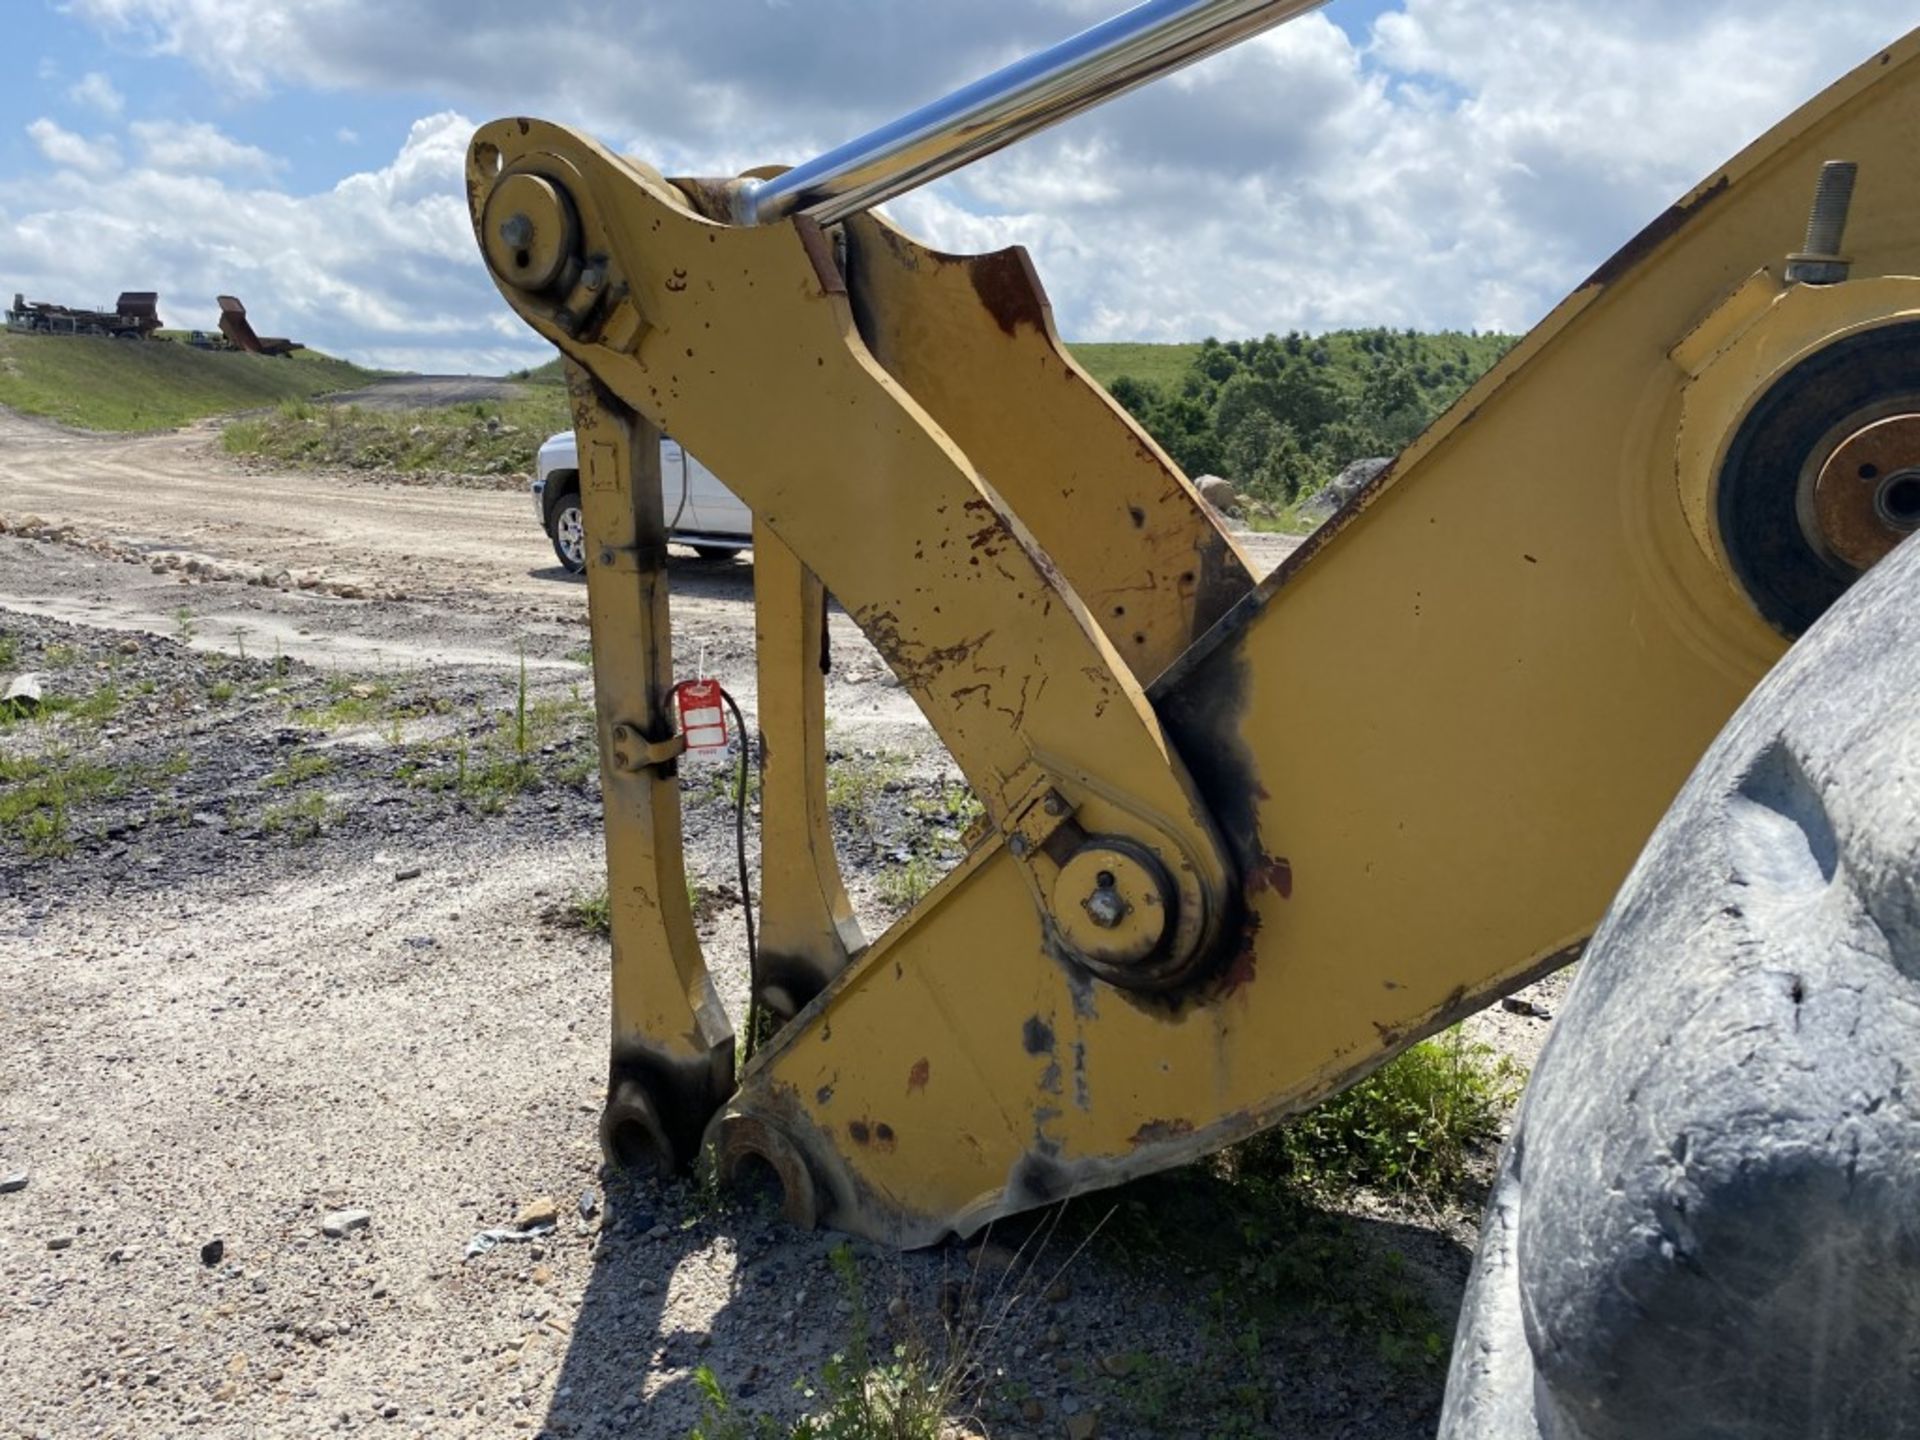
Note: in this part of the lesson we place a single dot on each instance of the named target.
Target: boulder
(1344, 486)
(1218, 493)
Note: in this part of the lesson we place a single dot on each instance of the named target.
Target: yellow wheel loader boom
(1245, 841)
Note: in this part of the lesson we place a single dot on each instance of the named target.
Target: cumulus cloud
(1455, 162)
(96, 92)
(98, 156)
(381, 267)
(197, 148)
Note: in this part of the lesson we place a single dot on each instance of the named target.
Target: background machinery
(1180, 925)
(135, 316)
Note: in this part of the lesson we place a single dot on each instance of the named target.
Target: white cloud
(98, 156)
(381, 267)
(197, 148)
(1465, 163)
(96, 92)
(346, 136)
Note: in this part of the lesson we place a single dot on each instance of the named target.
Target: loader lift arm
(1247, 842)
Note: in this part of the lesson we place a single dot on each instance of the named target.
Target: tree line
(1283, 415)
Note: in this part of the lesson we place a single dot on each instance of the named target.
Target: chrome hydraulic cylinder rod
(1143, 44)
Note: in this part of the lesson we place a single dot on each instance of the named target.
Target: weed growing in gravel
(300, 820)
(37, 797)
(1410, 1126)
(183, 625)
(95, 707)
(720, 783)
(59, 657)
(506, 759)
(220, 691)
(591, 913)
(854, 783)
(351, 702)
(901, 887)
(299, 767)
(904, 1396)
(955, 804)
(9, 652)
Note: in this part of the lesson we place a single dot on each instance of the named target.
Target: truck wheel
(1704, 1223)
(567, 529)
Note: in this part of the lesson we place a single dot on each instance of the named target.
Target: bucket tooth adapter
(1244, 841)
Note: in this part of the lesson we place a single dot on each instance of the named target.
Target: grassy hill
(104, 384)
(1163, 365)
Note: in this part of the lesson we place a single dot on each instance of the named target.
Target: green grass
(590, 912)
(1164, 365)
(554, 372)
(92, 708)
(901, 887)
(1411, 1126)
(855, 782)
(471, 438)
(298, 769)
(37, 797)
(100, 384)
(503, 759)
(300, 820)
(351, 702)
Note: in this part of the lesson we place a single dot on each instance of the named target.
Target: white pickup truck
(699, 510)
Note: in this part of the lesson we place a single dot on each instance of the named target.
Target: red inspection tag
(702, 720)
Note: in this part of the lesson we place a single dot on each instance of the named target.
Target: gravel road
(288, 956)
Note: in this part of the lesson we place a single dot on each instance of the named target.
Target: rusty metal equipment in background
(1180, 923)
(135, 316)
(239, 332)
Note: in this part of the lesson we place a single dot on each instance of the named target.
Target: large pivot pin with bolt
(530, 232)
(1113, 907)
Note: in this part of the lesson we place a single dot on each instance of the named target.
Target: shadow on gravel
(629, 1369)
(1169, 1307)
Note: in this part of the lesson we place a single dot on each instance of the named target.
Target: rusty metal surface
(135, 316)
(1113, 514)
(1867, 496)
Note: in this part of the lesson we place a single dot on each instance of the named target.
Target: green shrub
(1409, 1126)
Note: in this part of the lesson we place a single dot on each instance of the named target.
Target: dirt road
(298, 939)
(467, 575)
(460, 549)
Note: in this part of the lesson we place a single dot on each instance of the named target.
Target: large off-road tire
(1707, 1220)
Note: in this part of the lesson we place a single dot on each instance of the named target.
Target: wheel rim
(571, 535)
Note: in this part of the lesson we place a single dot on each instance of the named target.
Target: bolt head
(517, 230)
(1106, 908)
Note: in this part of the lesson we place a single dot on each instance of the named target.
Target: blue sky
(1404, 162)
